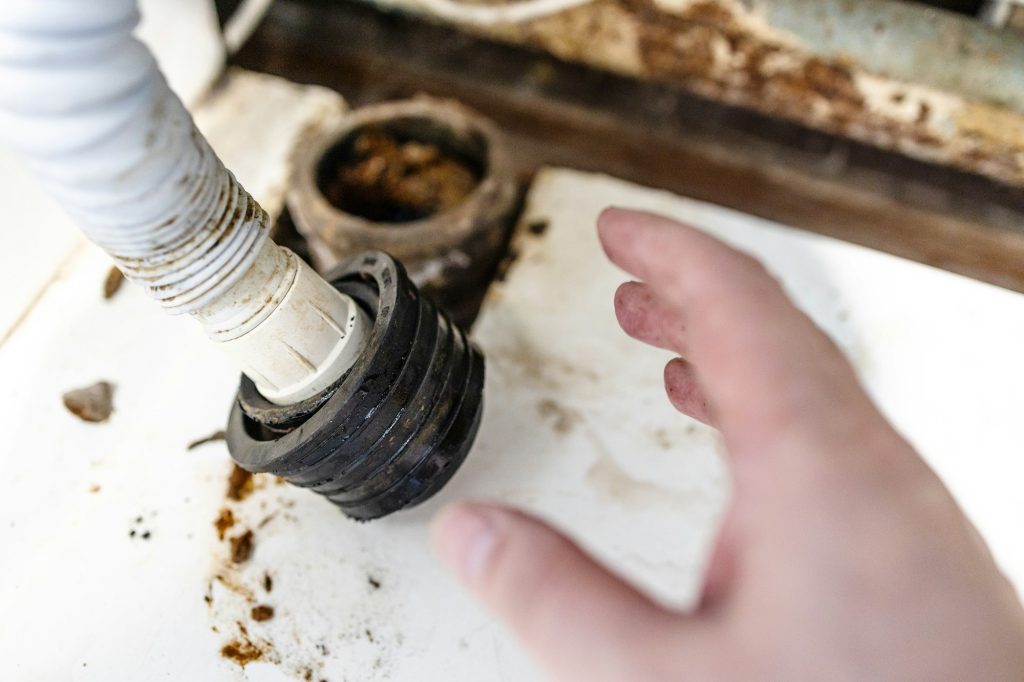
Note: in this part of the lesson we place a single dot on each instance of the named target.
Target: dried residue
(93, 403)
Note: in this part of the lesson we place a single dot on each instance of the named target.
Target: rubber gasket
(396, 427)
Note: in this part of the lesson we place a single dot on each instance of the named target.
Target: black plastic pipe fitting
(394, 429)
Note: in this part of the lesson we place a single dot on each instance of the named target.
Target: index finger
(767, 369)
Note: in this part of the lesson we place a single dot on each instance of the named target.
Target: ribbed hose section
(396, 427)
(83, 102)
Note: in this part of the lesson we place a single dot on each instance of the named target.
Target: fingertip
(627, 294)
(611, 216)
(464, 536)
(629, 303)
(612, 224)
(684, 391)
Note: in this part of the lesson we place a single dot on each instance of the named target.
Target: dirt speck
(374, 582)
(224, 521)
(240, 484)
(924, 112)
(538, 227)
(113, 282)
(212, 438)
(268, 582)
(241, 547)
(262, 612)
(93, 403)
(388, 179)
(94, 488)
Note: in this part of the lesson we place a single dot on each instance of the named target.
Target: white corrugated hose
(85, 105)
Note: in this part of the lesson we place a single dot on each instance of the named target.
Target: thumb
(577, 620)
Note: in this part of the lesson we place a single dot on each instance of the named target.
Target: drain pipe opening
(425, 180)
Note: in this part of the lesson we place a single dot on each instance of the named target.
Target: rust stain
(717, 50)
(224, 521)
(241, 652)
(240, 484)
(241, 547)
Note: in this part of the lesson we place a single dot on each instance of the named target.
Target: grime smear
(387, 179)
(614, 483)
(91, 404)
(561, 419)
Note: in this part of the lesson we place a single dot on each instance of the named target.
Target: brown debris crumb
(93, 403)
(241, 652)
(374, 583)
(241, 547)
(212, 438)
(262, 612)
(392, 180)
(224, 521)
(113, 282)
(268, 582)
(94, 488)
(240, 484)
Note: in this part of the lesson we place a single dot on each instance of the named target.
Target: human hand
(842, 557)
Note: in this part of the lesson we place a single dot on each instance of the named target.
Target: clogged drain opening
(402, 170)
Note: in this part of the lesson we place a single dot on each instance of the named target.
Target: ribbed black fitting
(395, 428)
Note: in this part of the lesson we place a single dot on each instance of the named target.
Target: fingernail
(465, 537)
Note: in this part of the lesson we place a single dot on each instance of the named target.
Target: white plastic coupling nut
(289, 331)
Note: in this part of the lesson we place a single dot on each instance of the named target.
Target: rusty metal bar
(892, 75)
(908, 42)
